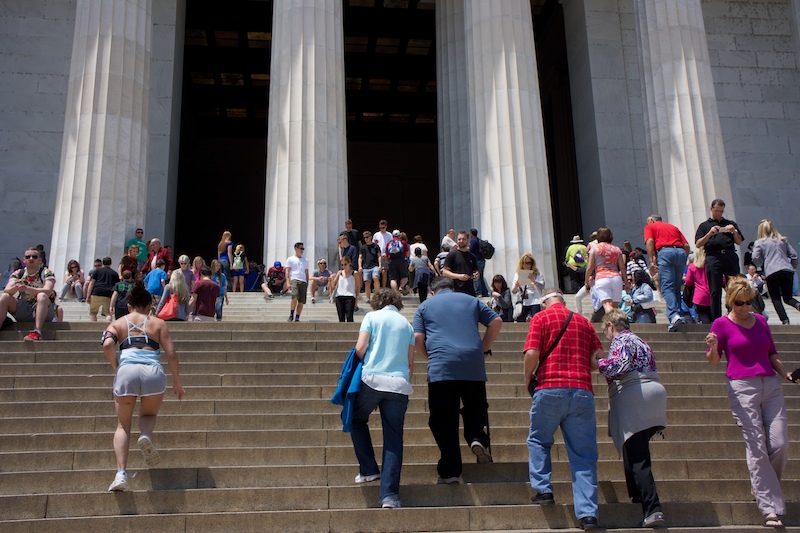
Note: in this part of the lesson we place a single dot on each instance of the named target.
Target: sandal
(772, 520)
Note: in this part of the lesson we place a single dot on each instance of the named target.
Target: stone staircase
(257, 446)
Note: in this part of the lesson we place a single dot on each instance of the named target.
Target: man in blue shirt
(446, 333)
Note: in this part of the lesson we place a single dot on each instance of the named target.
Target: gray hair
(656, 217)
(441, 283)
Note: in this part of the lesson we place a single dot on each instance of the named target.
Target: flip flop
(772, 520)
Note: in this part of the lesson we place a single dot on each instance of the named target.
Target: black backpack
(486, 249)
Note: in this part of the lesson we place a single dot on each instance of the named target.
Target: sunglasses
(31, 257)
(183, 262)
(300, 248)
(738, 303)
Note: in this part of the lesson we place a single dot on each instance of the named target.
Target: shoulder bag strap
(555, 342)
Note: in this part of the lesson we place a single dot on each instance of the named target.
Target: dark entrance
(390, 78)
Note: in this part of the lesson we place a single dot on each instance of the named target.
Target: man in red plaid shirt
(563, 398)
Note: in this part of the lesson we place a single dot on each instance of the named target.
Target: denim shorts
(369, 273)
(139, 380)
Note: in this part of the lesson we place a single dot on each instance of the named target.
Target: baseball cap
(396, 233)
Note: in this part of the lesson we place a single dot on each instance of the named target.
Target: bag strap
(555, 343)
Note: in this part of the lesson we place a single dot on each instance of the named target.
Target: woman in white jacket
(529, 288)
(779, 259)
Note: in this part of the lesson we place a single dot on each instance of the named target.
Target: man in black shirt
(102, 282)
(461, 266)
(369, 264)
(719, 236)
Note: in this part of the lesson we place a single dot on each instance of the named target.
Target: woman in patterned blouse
(637, 409)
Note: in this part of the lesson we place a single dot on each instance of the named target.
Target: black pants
(719, 265)
(444, 401)
(422, 287)
(577, 278)
(345, 306)
(638, 472)
(779, 285)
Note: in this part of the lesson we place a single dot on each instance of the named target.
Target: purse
(518, 305)
(535, 379)
(170, 309)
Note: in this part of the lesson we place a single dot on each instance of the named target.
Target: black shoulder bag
(535, 379)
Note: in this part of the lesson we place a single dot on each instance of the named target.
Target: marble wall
(754, 60)
(35, 48)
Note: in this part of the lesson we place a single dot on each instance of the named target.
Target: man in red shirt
(204, 297)
(667, 249)
(563, 398)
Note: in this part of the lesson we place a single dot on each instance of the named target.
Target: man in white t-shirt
(296, 281)
(382, 238)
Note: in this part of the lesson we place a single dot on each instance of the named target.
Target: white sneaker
(151, 455)
(390, 504)
(367, 479)
(120, 482)
(313, 300)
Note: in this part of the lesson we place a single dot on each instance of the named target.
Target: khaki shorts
(298, 290)
(97, 302)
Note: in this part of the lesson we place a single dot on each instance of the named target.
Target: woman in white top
(530, 288)
(345, 284)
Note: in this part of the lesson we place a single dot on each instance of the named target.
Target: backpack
(238, 263)
(395, 248)
(121, 305)
(486, 249)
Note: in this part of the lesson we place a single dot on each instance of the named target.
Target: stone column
(796, 27)
(102, 179)
(508, 168)
(306, 189)
(686, 155)
(455, 203)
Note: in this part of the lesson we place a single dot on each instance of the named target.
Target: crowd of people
(560, 352)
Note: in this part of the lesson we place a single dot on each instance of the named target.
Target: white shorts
(608, 289)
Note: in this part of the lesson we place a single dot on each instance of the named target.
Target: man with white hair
(156, 253)
(561, 350)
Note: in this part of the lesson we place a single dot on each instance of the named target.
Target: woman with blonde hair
(176, 285)
(225, 255)
(197, 263)
(529, 288)
(755, 376)
(696, 277)
(239, 268)
(779, 259)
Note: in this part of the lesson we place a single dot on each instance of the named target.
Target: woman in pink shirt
(696, 277)
(755, 375)
(606, 264)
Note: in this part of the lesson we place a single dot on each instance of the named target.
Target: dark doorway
(390, 79)
(221, 177)
(551, 58)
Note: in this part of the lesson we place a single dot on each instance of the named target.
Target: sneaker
(543, 498)
(447, 481)
(291, 319)
(673, 327)
(390, 504)
(367, 479)
(270, 296)
(120, 482)
(33, 336)
(313, 300)
(588, 523)
(151, 455)
(481, 453)
(356, 309)
(654, 520)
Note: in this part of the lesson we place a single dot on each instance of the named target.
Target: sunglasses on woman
(739, 303)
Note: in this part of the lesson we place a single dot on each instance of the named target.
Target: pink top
(746, 350)
(606, 260)
(697, 277)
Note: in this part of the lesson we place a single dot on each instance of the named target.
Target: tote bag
(170, 309)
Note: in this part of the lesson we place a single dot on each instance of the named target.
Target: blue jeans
(572, 410)
(218, 306)
(481, 289)
(226, 269)
(393, 413)
(671, 262)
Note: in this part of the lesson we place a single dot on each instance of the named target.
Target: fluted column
(455, 203)
(102, 179)
(686, 154)
(508, 167)
(306, 190)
